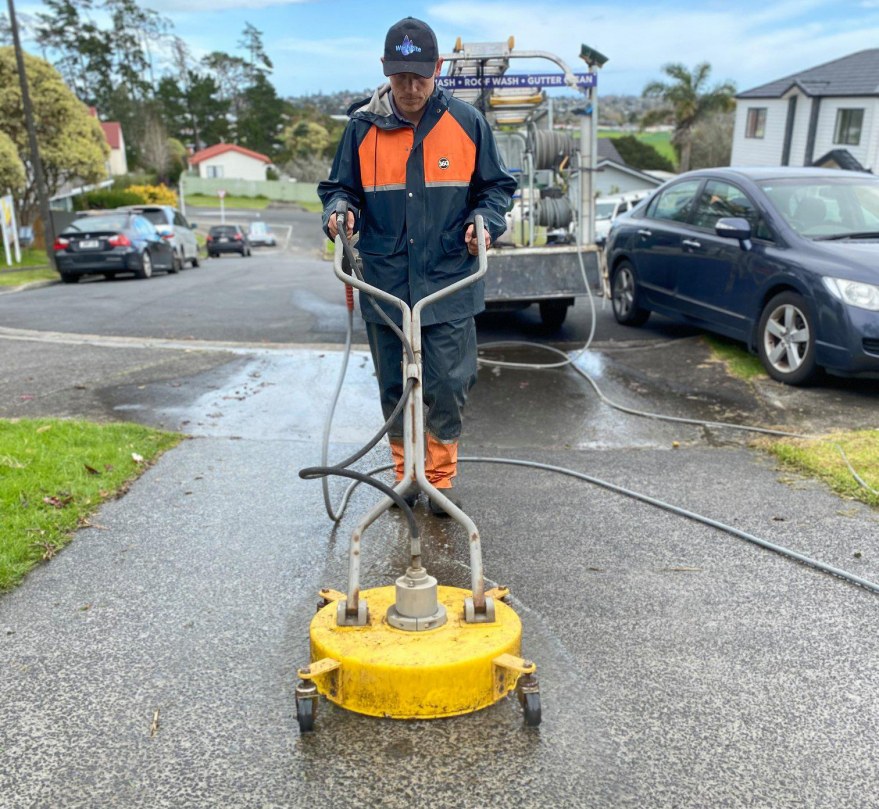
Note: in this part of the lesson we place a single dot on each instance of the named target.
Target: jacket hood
(377, 109)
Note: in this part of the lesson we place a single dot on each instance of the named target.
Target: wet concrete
(679, 666)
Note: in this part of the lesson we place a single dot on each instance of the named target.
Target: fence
(281, 190)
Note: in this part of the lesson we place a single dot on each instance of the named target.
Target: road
(152, 663)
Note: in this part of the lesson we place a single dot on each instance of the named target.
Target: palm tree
(687, 101)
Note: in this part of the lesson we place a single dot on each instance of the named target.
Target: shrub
(156, 194)
(105, 199)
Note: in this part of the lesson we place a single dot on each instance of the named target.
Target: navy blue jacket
(413, 191)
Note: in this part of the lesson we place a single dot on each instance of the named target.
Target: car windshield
(224, 230)
(155, 216)
(90, 224)
(827, 207)
(604, 210)
(258, 228)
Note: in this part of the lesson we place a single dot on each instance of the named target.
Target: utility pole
(589, 147)
(36, 162)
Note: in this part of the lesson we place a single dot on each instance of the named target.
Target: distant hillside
(613, 110)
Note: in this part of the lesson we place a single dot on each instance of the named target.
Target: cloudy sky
(322, 46)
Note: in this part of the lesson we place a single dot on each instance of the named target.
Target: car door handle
(645, 232)
(691, 243)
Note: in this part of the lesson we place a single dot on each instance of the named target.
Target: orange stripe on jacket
(383, 155)
(449, 153)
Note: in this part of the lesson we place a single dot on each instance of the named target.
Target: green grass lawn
(19, 277)
(821, 458)
(661, 141)
(206, 201)
(54, 474)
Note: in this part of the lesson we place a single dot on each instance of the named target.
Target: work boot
(437, 510)
(411, 496)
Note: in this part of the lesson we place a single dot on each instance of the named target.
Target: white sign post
(221, 194)
(10, 228)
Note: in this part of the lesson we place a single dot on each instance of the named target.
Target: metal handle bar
(478, 227)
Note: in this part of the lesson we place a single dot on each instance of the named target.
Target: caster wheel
(306, 706)
(305, 712)
(529, 697)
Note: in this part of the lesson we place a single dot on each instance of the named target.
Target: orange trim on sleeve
(383, 155)
(449, 153)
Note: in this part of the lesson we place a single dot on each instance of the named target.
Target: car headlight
(854, 293)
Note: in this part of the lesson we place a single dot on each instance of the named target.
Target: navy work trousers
(448, 353)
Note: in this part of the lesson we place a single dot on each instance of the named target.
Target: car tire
(69, 278)
(146, 269)
(176, 263)
(624, 296)
(553, 314)
(194, 261)
(786, 339)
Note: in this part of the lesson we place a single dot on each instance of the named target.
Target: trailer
(548, 251)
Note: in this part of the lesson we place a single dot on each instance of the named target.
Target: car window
(720, 199)
(179, 220)
(156, 216)
(88, 224)
(224, 230)
(675, 202)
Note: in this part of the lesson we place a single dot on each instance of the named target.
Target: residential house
(229, 161)
(117, 163)
(613, 176)
(812, 117)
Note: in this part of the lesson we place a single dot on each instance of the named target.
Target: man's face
(411, 91)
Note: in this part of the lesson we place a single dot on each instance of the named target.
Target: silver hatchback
(175, 229)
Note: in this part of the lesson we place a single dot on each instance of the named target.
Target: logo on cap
(408, 47)
(444, 162)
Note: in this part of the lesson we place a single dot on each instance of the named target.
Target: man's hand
(333, 226)
(472, 243)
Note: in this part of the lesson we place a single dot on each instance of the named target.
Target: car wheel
(553, 313)
(110, 276)
(786, 339)
(176, 263)
(624, 296)
(69, 278)
(195, 261)
(146, 269)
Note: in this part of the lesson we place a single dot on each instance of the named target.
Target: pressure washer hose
(367, 477)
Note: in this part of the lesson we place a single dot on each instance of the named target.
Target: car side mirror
(733, 227)
(192, 225)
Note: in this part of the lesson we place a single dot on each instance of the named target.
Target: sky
(321, 46)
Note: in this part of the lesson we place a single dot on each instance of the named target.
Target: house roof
(113, 133)
(853, 75)
(649, 179)
(841, 158)
(222, 148)
(607, 150)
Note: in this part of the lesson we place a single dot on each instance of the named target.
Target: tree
(155, 150)
(72, 144)
(12, 176)
(712, 141)
(304, 138)
(251, 41)
(686, 101)
(261, 118)
(640, 155)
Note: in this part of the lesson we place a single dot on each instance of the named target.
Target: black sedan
(784, 259)
(227, 239)
(111, 243)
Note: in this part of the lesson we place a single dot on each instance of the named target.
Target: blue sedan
(784, 259)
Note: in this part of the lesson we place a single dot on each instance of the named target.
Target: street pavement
(152, 662)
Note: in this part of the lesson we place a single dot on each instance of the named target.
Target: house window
(756, 125)
(214, 171)
(848, 126)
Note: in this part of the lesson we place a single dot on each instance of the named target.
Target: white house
(229, 161)
(827, 115)
(117, 163)
(613, 176)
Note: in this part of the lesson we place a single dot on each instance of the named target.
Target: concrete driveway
(152, 663)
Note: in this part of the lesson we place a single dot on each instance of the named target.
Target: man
(415, 166)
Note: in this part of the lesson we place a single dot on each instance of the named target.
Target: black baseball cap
(410, 47)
